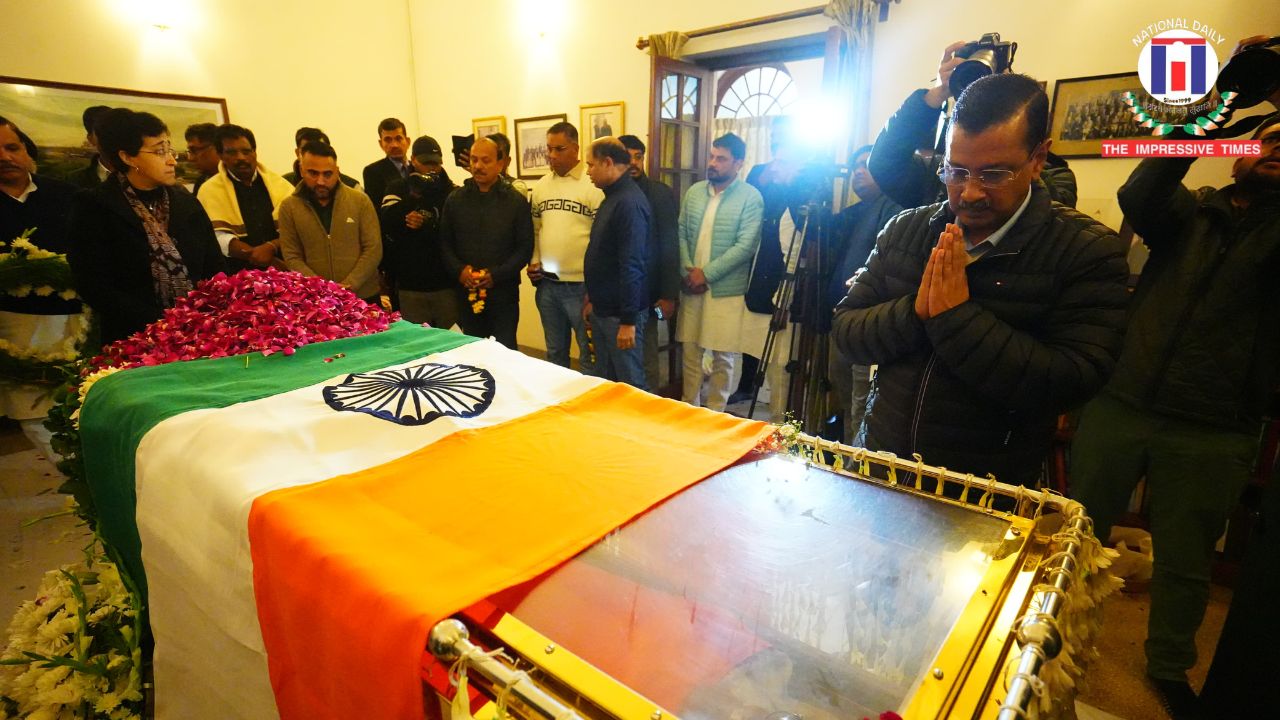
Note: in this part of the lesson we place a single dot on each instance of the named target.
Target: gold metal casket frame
(978, 673)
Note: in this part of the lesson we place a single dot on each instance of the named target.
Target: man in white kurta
(719, 231)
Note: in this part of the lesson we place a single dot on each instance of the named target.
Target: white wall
(1055, 41)
(280, 64)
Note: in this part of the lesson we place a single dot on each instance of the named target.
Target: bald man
(486, 238)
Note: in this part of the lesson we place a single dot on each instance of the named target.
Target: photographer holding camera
(903, 160)
(410, 215)
(1201, 363)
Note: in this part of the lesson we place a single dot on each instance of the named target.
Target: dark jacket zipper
(915, 418)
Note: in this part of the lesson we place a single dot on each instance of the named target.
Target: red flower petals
(267, 311)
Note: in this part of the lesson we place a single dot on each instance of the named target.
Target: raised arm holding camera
(904, 161)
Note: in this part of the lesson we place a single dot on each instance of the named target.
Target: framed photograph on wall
(597, 121)
(50, 112)
(484, 127)
(1088, 110)
(531, 145)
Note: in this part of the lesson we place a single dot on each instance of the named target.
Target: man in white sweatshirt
(564, 203)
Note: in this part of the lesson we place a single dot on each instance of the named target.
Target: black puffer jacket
(1204, 340)
(977, 389)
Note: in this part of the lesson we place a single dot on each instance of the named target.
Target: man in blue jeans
(616, 265)
(563, 203)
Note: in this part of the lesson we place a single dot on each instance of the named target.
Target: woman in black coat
(140, 241)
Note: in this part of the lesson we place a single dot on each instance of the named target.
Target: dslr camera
(986, 56)
(1254, 73)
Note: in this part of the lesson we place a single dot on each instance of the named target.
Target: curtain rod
(643, 42)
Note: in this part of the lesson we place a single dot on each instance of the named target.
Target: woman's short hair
(121, 129)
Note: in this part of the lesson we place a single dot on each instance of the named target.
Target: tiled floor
(28, 481)
(28, 490)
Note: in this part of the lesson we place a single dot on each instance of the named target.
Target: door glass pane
(669, 96)
(689, 104)
(688, 147)
(668, 158)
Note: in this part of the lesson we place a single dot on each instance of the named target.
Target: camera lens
(1254, 73)
(980, 64)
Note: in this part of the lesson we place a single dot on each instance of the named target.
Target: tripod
(800, 292)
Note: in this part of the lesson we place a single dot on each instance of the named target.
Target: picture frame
(531, 145)
(1088, 110)
(486, 126)
(597, 121)
(50, 113)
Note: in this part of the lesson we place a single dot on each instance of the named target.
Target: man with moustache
(719, 232)
(1201, 363)
(202, 152)
(242, 201)
(664, 255)
(992, 313)
(328, 229)
(393, 138)
(28, 200)
(486, 237)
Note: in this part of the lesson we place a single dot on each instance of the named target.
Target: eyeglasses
(194, 150)
(990, 179)
(161, 152)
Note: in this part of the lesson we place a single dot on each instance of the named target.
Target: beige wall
(280, 64)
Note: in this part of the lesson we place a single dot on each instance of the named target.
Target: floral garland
(27, 270)
(254, 311)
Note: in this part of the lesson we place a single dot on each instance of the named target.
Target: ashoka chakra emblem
(415, 395)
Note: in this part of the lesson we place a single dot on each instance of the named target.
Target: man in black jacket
(664, 255)
(907, 177)
(393, 138)
(615, 265)
(410, 217)
(993, 313)
(486, 238)
(91, 175)
(1201, 361)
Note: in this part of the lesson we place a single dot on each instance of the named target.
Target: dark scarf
(168, 272)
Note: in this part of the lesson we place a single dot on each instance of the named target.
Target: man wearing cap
(410, 217)
(243, 200)
(1200, 365)
(564, 204)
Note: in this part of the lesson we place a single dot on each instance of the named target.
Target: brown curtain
(667, 44)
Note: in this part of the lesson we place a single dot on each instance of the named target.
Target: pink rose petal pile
(265, 311)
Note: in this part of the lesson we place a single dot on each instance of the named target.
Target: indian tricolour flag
(301, 522)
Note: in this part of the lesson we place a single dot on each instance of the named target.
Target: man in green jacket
(330, 230)
(719, 231)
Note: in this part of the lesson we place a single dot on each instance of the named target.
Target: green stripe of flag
(123, 407)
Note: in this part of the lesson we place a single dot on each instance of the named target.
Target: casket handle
(450, 641)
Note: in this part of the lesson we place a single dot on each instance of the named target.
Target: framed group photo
(531, 145)
(50, 113)
(603, 120)
(484, 127)
(1089, 110)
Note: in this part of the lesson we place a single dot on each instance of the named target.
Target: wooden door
(679, 123)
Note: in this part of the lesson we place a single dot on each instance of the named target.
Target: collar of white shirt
(31, 187)
(994, 238)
